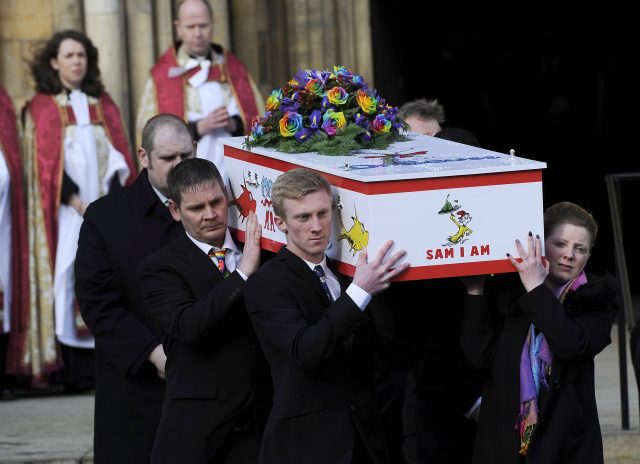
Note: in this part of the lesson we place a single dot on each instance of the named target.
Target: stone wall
(272, 37)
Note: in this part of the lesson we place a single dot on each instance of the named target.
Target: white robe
(81, 165)
(5, 242)
(212, 96)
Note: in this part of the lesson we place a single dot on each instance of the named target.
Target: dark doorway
(553, 89)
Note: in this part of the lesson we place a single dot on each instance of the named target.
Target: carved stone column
(357, 40)
(250, 39)
(221, 22)
(141, 47)
(163, 34)
(105, 26)
(276, 37)
(67, 14)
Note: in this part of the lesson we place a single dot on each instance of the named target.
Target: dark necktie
(219, 255)
(319, 272)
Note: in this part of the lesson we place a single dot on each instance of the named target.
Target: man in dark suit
(119, 230)
(317, 336)
(193, 288)
(441, 389)
(441, 394)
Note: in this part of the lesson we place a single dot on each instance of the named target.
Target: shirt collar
(146, 197)
(229, 244)
(322, 263)
(182, 56)
(163, 199)
(201, 58)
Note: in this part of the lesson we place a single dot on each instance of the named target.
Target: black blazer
(118, 231)
(207, 341)
(429, 317)
(494, 329)
(320, 355)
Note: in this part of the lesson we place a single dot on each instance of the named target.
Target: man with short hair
(193, 288)
(316, 335)
(118, 231)
(203, 83)
(423, 116)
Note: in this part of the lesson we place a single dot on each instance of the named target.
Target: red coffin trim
(265, 243)
(498, 266)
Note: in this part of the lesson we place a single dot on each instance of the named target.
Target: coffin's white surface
(456, 209)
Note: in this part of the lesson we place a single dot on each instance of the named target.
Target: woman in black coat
(537, 346)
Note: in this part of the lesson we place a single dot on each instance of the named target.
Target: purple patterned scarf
(535, 371)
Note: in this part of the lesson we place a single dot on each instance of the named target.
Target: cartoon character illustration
(252, 179)
(245, 202)
(266, 185)
(357, 236)
(448, 207)
(463, 230)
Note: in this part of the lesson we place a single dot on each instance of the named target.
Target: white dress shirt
(231, 258)
(163, 199)
(359, 296)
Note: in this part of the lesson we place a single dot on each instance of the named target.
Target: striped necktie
(319, 272)
(219, 255)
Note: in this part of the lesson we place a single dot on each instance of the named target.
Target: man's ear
(280, 224)
(175, 211)
(143, 157)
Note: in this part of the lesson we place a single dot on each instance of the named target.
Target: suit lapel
(302, 269)
(342, 280)
(147, 199)
(355, 341)
(197, 259)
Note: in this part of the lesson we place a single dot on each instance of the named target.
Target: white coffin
(416, 193)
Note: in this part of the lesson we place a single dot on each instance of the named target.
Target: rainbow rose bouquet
(329, 112)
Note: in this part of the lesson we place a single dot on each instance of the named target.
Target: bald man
(202, 83)
(118, 231)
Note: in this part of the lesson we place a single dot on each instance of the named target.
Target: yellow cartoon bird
(357, 236)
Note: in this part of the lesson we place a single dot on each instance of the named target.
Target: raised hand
(533, 267)
(250, 260)
(375, 276)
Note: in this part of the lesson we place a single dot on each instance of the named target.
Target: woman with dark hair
(537, 340)
(76, 151)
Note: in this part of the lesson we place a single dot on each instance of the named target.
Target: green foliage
(344, 142)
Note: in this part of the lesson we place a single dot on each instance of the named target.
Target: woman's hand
(532, 267)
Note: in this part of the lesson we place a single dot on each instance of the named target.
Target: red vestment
(19, 249)
(170, 91)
